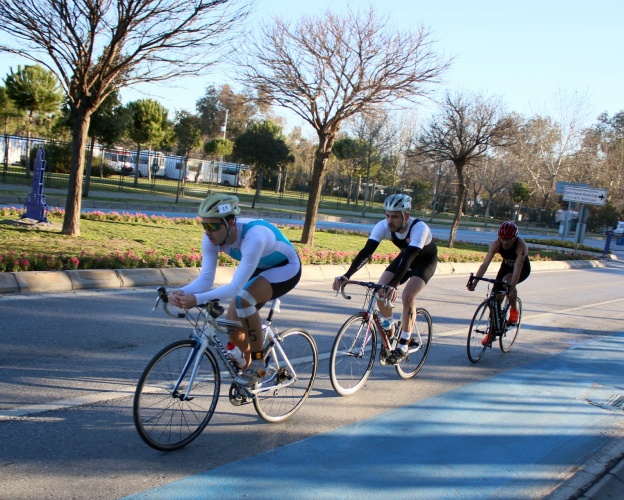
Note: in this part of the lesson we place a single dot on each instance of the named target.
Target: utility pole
(224, 128)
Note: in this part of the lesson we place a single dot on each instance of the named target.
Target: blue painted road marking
(515, 435)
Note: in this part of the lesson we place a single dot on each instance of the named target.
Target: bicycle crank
(239, 395)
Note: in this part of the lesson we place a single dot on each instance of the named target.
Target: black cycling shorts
(505, 270)
(423, 267)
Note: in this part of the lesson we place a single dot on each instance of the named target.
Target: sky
(523, 52)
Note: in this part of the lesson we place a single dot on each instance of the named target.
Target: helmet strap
(405, 220)
(227, 236)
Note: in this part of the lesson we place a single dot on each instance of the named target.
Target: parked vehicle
(232, 174)
(174, 167)
(119, 160)
(154, 159)
(619, 229)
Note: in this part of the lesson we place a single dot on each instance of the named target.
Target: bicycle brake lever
(156, 305)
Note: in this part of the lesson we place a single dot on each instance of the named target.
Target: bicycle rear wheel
(419, 345)
(278, 403)
(479, 328)
(165, 419)
(508, 338)
(352, 355)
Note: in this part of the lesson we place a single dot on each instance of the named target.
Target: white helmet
(219, 205)
(398, 203)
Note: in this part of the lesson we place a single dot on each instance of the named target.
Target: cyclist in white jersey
(415, 264)
(269, 268)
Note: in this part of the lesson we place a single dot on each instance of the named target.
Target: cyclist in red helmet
(515, 267)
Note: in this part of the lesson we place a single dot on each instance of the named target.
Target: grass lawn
(176, 242)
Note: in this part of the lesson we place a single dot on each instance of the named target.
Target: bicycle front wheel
(419, 345)
(168, 412)
(508, 338)
(352, 355)
(282, 399)
(479, 329)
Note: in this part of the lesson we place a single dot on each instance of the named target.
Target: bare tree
(329, 68)
(493, 174)
(465, 127)
(548, 142)
(95, 48)
(376, 132)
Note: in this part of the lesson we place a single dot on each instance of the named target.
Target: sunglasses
(211, 227)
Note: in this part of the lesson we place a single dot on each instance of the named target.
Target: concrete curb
(611, 485)
(64, 281)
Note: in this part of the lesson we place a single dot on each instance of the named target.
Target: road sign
(585, 195)
(561, 185)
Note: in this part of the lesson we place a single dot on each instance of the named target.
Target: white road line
(98, 397)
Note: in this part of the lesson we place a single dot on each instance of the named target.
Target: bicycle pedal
(239, 396)
(382, 356)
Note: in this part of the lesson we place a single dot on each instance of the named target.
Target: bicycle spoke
(508, 338)
(418, 347)
(479, 329)
(353, 354)
(168, 420)
(285, 390)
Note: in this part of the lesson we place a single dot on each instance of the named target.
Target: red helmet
(507, 230)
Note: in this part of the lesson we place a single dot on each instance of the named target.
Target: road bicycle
(491, 318)
(178, 391)
(354, 351)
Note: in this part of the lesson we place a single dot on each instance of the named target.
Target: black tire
(508, 338)
(277, 404)
(479, 328)
(164, 420)
(353, 355)
(419, 346)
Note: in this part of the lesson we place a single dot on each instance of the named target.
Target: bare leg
(249, 338)
(413, 287)
(385, 309)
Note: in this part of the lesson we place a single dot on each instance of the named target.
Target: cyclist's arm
(252, 249)
(494, 246)
(362, 257)
(522, 253)
(405, 259)
(420, 235)
(206, 277)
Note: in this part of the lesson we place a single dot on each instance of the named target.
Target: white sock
(403, 342)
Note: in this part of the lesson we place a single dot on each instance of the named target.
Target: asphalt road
(69, 363)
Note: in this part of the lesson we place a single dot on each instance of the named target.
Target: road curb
(64, 281)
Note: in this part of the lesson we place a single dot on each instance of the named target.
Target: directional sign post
(585, 195)
(580, 194)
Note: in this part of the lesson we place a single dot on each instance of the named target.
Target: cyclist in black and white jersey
(415, 264)
(269, 268)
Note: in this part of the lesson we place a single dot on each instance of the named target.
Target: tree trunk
(487, 210)
(461, 196)
(85, 190)
(27, 158)
(258, 191)
(366, 191)
(136, 166)
(326, 142)
(80, 127)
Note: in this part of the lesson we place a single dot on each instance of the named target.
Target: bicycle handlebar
(214, 309)
(474, 278)
(366, 284)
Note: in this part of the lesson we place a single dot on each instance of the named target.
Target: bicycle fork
(194, 359)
